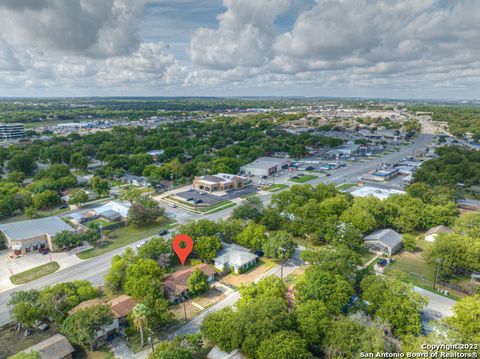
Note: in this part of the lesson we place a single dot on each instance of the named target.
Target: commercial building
(264, 166)
(11, 131)
(28, 236)
(382, 175)
(384, 240)
(219, 182)
(113, 210)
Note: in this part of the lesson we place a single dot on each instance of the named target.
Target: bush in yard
(197, 282)
(141, 215)
(78, 197)
(409, 242)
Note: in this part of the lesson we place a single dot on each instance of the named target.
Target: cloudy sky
(369, 48)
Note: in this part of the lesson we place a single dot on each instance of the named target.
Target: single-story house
(155, 153)
(217, 353)
(431, 235)
(384, 240)
(135, 180)
(113, 210)
(121, 306)
(176, 284)
(56, 347)
(234, 257)
(28, 236)
(219, 182)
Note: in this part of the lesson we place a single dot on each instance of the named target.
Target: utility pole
(437, 269)
(150, 340)
(283, 250)
(185, 310)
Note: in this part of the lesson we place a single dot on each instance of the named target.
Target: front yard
(125, 236)
(263, 265)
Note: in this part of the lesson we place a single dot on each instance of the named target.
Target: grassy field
(215, 209)
(345, 186)
(249, 195)
(124, 236)
(276, 187)
(418, 272)
(204, 209)
(303, 179)
(365, 255)
(34, 273)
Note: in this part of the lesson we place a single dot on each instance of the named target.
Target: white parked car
(141, 244)
(173, 205)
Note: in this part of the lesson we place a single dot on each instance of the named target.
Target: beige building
(30, 236)
(219, 182)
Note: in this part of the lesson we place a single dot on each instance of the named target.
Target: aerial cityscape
(239, 179)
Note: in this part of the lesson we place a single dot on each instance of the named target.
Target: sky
(409, 49)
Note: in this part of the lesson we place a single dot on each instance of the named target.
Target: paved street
(94, 269)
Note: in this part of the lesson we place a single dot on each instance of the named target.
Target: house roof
(177, 282)
(35, 227)
(234, 255)
(387, 237)
(122, 305)
(119, 207)
(55, 347)
(217, 353)
(86, 304)
(438, 229)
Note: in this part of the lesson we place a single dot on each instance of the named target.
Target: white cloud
(244, 36)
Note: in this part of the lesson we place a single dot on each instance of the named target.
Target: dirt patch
(179, 314)
(209, 298)
(239, 279)
(12, 342)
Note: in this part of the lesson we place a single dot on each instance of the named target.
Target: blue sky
(370, 48)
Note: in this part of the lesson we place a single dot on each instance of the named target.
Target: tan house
(219, 182)
(29, 236)
(176, 284)
(56, 347)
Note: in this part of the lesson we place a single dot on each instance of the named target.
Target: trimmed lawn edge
(34, 273)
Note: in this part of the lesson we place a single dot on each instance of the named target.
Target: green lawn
(204, 209)
(125, 236)
(276, 187)
(303, 179)
(345, 186)
(40, 214)
(215, 209)
(249, 195)
(365, 255)
(34, 273)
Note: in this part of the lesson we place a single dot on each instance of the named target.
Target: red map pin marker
(182, 245)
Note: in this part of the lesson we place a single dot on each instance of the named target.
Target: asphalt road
(95, 268)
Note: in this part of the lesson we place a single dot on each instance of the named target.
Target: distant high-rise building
(11, 131)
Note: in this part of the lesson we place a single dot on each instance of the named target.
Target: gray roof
(55, 347)
(234, 255)
(266, 162)
(439, 229)
(35, 227)
(387, 236)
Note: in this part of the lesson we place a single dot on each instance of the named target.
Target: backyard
(263, 265)
(125, 236)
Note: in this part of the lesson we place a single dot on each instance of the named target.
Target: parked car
(190, 199)
(141, 244)
(63, 206)
(310, 168)
(259, 253)
(198, 201)
(382, 262)
(264, 177)
(43, 251)
(41, 325)
(301, 174)
(163, 232)
(173, 205)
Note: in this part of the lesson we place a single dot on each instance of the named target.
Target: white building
(432, 234)
(264, 166)
(11, 131)
(235, 257)
(113, 209)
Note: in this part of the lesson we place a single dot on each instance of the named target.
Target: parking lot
(210, 199)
